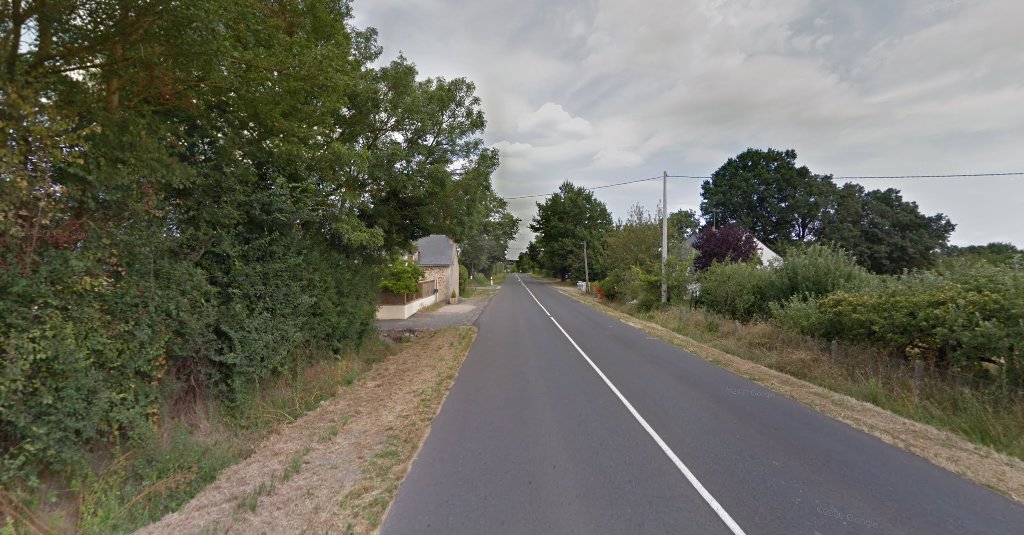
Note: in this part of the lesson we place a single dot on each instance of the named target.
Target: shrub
(402, 277)
(610, 286)
(968, 316)
(799, 315)
(85, 350)
(641, 287)
(814, 271)
(737, 290)
(463, 277)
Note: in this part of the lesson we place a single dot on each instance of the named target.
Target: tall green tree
(489, 245)
(563, 222)
(529, 259)
(632, 259)
(198, 189)
(885, 233)
(634, 242)
(682, 223)
(765, 192)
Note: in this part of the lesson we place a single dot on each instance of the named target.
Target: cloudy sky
(604, 91)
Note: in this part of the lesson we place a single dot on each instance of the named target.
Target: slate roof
(436, 250)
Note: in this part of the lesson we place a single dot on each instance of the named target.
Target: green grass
(136, 484)
(988, 416)
(250, 502)
(295, 466)
(480, 285)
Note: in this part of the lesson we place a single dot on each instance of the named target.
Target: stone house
(438, 256)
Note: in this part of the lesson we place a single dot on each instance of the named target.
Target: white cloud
(603, 90)
(551, 120)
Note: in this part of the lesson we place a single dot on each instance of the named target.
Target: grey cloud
(603, 90)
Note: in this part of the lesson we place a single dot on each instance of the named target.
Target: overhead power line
(966, 175)
(590, 188)
(866, 177)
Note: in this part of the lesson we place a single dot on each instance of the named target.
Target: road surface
(565, 420)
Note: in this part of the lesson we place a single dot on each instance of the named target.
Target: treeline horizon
(782, 204)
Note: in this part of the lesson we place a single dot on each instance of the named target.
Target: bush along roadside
(943, 346)
(964, 316)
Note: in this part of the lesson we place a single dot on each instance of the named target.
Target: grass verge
(480, 285)
(121, 490)
(367, 502)
(974, 433)
(337, 468)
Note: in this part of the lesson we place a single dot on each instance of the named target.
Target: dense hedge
(738, 290)
(965, 315)
(86, 352)
(747, 291)
(968, 316)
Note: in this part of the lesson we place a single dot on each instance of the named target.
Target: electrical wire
(591, 188)
(967, 175)
(963, 175)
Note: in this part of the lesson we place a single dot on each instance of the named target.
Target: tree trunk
(15, 35)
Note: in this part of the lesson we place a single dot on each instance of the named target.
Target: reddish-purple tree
(731, 243)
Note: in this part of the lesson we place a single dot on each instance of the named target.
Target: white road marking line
(717, 507)
(533, 296)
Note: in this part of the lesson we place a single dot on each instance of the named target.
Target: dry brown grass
(800, 368)
(337, 468)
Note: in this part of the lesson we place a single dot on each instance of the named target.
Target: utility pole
(664, 236)
(586, 269)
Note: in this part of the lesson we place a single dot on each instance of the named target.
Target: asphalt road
(533, 438)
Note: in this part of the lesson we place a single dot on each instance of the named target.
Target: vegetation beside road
(367, 503)
(480, 285)
(197, 200)
(335, 469)
(959, 325)
(929, 331)
(986, 414)
(200, 437)
(963, 427)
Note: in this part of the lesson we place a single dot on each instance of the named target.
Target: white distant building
(767, 255)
